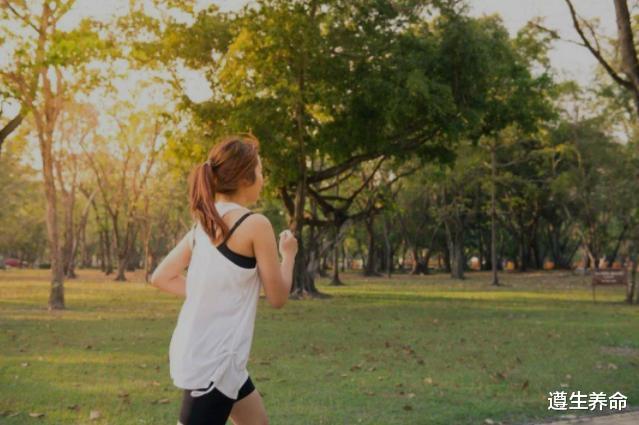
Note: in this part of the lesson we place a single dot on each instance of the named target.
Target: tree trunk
(70, 237)
(303, 284)
(629, 62)
(447, 259)
(369, 270)
(323, 271)
(125, 250)
(336, 281)
(459, 260)
(455, 237)
(56, 295)
(493, 215)
(419, 265)
(632, 285)
(79, 232)
(387, 247)
(429, 253)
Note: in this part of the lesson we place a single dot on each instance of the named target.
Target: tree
(139, 141)
(22, 206)
(77, 122)
(331, 81)
(625, 43)
(43, 57)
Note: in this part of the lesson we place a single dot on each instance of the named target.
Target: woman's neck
(234, 199)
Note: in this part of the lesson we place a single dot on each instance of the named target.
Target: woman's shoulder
(259, 224)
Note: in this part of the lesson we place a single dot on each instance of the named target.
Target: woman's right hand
(288, 244)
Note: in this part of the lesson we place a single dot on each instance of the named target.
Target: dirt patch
(621, 351)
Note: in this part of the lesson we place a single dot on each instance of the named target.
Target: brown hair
(230, 160)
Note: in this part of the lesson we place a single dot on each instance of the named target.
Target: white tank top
(212, 339)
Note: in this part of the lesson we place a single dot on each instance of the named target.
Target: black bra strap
(237, 223)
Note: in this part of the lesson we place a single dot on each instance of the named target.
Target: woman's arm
(168, 275)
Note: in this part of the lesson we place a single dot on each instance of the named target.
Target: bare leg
(249, 411)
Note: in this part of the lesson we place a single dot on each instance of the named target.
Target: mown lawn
(423, 350)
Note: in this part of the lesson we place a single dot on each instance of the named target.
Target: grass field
(423, 350)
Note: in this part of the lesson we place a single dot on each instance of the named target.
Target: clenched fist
(288, 243)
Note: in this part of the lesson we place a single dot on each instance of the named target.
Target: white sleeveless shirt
(214, 331)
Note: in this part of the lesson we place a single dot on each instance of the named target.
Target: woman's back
(213, 336)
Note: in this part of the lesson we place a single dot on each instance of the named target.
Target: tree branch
(595, 52)
(23, 18)
(10, 127)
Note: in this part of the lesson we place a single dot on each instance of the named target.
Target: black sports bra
(234, 257)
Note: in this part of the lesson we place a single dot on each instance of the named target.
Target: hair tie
(210, 163)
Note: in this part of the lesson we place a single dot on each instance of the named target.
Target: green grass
(423, 350)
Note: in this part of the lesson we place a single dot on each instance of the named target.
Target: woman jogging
(230, 252)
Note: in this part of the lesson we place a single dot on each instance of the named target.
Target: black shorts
(213, 408)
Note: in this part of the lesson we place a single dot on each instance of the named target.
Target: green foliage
(23, 210)
(362, 77)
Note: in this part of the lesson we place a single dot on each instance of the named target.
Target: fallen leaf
(408, 407)
(164, 401)
(524, 385)
(36, 415)
(94, 414)
(73, 407)
(25, 364)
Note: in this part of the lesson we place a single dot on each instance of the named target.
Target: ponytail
(232, 160)
(202, 188)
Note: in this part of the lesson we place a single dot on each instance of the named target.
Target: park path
(626, 418)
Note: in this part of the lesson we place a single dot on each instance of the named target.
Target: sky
(570, 61)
